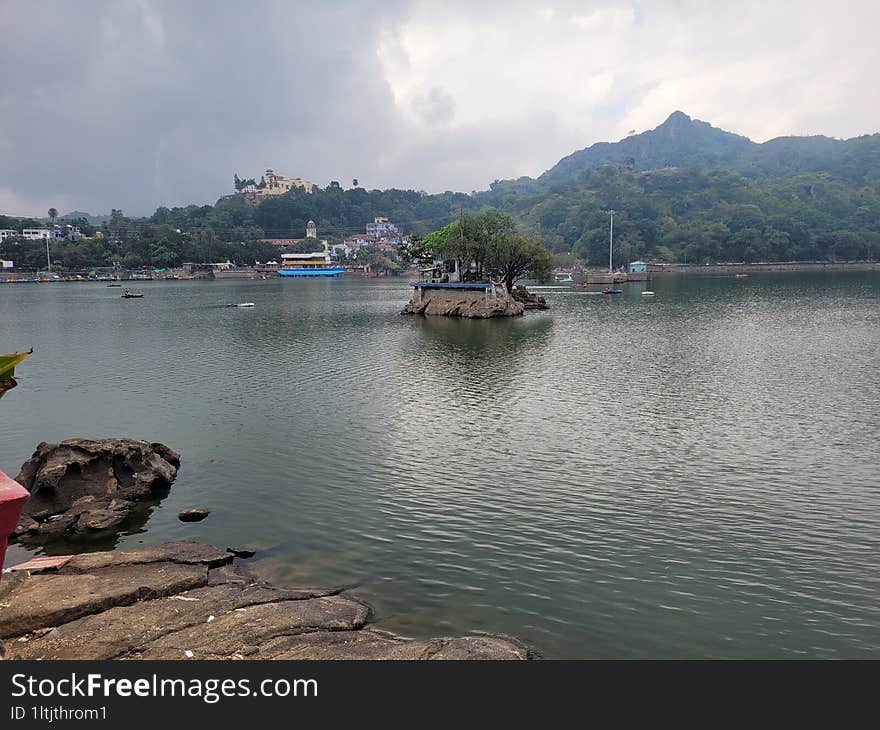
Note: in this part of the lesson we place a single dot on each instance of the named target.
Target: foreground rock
(82, 485)
(187, 600)
(469, 303)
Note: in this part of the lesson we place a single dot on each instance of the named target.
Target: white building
(67, 233)
(344, 247)
(383, 228)
(36, 234)
(5, 264)
(7, 233)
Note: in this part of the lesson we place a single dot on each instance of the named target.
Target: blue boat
(309, 264)
(612, 291)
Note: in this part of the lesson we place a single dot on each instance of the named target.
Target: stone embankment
(186, 600)
(775, 267)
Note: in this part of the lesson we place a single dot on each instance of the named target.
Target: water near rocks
(693, 474)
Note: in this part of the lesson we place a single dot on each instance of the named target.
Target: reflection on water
(689, 475)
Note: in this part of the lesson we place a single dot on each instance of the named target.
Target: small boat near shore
(606, 290)
(242, 304)
(131, 295)
(647, 294)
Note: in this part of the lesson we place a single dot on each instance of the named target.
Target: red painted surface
(12, 499)
(41, 565)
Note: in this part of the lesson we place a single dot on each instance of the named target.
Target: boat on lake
(606, 290)
(309, 264)
(131, 295)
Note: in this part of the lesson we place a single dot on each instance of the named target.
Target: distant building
(5, 264)
(359, 240)
(8, 233)
(311, 235)
(278, 184)
(36, 234)
(638, 267)
(67, 233)
(383, 228)
(344, 247)
(283, 241)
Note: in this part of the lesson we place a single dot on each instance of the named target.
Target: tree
(488, 244)
(53, 214)
(354, 183)
(513, 256)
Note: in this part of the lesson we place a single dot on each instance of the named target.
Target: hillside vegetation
(685, 191)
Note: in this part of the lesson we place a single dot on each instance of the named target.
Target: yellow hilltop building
(278, 185)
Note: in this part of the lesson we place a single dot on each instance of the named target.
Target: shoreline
(653, 269)
(774, 267)
(188, 600)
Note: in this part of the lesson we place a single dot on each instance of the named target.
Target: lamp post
(48, 260)
(611, 242)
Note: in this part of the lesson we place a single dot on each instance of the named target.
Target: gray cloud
(140, 103)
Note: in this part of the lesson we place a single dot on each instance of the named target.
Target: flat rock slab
(182, 551)
(187, 600)
(50, 600)
(125, 631)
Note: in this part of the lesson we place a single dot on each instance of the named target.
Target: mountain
(679, 142)
(93, 219)
(690, 143)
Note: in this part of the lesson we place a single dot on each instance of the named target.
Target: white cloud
(607, 19)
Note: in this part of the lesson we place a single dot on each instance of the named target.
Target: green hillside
(685, 191)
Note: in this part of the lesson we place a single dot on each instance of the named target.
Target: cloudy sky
(134, 104)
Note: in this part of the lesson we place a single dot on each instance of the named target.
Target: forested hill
(685, 191)
(689, 143)
(689, 191)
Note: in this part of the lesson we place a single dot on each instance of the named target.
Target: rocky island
(473, 301)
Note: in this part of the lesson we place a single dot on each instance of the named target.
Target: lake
(691, 475)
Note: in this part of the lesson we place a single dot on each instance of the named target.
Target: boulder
(81, 485)
(193, 514)
(528, 299)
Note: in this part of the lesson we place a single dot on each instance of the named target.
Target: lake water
(689, 475)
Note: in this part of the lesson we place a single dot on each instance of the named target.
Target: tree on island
(484, 245)
(354, 183)
(53, 214)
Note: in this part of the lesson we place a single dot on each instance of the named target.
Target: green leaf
(8, 363)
